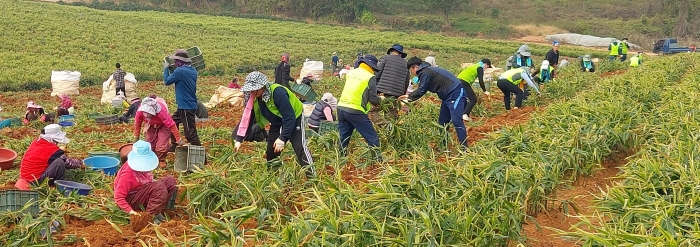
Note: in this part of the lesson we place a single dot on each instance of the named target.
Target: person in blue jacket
(185, 79)
(448, 88)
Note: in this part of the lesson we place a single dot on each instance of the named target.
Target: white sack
(225, 94)
(109, 90)
(67, 82)
(314, 68)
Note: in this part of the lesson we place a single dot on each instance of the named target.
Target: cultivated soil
(581, 193)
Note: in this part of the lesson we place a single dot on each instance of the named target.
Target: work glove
(132, 212)
(279, 145)
(487, 93)
(237, 145)
(381, 97)
(180, 142)
(166, 65)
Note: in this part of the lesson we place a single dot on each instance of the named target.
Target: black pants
(186, 117)
(471, 97)
(507, 88)
(298, 140)
(55, 171)
(123, 89)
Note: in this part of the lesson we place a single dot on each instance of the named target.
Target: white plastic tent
(585, 40)
(109, 90)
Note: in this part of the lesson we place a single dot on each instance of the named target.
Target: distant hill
(641, 21)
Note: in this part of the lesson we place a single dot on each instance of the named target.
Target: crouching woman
(135, 187)
(45, 160)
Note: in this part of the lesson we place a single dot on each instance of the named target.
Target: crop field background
(426, 194)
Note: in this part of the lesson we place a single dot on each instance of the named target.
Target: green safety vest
(469, 74)
(549, 75)
(614, 49)
(296, 105)
(634, 61)
(624, 48)
(508, 75)
(356, 82)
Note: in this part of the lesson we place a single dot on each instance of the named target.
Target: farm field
(427, 194)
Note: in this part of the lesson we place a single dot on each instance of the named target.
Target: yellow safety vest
(270, 104)
(634, 61)
(508, 75)
(614, 49)
(356, 82)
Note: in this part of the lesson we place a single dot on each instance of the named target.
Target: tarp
(489, 73)
(109, 90)
(65, 81)
(314, 68)
(225, 94)
(585, 40)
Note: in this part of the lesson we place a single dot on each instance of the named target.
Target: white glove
(381, 97)
(279, 145)
(134, 212)
(487, 93)
(166, 64)
(237, 145)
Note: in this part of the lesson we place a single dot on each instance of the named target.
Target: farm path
(581, 194)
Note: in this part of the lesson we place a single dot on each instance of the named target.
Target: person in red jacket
(160, 126)
(44, 159)
(135, 188)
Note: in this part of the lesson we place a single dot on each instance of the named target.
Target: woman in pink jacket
(135, 188)
(160, 125)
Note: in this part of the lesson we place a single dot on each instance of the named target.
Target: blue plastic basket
(106, 164)
(66, 124)
(66, 118)
(67, 187)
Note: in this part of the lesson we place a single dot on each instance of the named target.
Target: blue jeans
(451, 110)
(347, 122)
(612, 58)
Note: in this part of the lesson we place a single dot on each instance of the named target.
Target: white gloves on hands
(279, 145)
(166, 65)
(134, 212)
(487, 93)
(237, 145)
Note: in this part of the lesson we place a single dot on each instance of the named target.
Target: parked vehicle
(670, 46)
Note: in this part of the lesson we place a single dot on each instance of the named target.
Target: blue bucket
(67, 187)
(66, 124)
(106, 164)
(66, 118)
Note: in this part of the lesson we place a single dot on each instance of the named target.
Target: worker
(323, 111)
(392, 81)
(586, 64)
(358, 96)
(277, 105)
(135, 187)
(553, 58)
(522, 58)
(184, 77)
(469, 76)
(624, 46)
(159, 127)
(66, 105)
(448, 88)
(431, 59)
(131, 112)
(636, 60)
(544, 74)
(509, 83)
(44, 159)
(615, 50)
(36, 112)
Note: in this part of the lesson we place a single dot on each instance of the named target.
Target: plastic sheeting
(585, 40)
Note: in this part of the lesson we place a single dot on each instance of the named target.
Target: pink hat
(31, 104)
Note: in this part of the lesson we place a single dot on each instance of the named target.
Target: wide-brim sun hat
(182, 55)
(398, 48)
(52, 132)
(370, 60)
(31, 104)
(254, 81)
(142, 158)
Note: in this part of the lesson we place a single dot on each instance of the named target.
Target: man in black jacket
(553, 57)
(392, 81)
(282, 76)
(131, 113)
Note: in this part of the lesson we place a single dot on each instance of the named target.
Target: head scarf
(66, 102)
(332, 101)
(258, 78)
(150, 106)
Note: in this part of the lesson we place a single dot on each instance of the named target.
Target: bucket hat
(53, 133)
(398, 48)
(587, 58)
(182, 55)
(254, 81)
(370, 60)
(142, 158)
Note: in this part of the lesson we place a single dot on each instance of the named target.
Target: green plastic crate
(189, 158)
(304, 92)
(328, 127)
(196, 56)
(15, 200)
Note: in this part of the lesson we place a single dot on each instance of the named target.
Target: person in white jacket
(431, 59)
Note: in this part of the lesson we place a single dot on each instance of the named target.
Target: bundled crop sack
(314, 68)
(65, 81)
(109, 89)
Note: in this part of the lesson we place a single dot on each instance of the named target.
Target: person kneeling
(135, 187)
(323, 111)
(44, 159)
